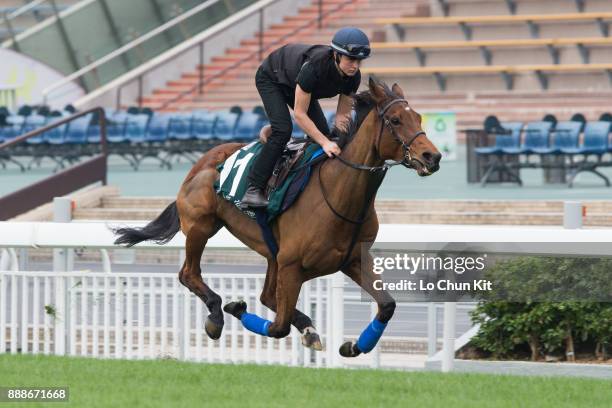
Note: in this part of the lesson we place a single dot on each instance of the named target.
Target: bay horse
(318, 234)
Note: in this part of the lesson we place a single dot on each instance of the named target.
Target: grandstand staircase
(236, 87)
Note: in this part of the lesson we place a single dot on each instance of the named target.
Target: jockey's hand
(331, 149)
(264, 133)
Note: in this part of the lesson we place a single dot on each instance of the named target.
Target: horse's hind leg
(191, 274)
(310, 337)
(289, 283)
(386, 306)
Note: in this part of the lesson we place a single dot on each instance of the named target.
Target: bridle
(407, 157)
(378, 171)
(384, 122)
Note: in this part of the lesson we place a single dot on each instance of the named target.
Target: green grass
(168, 383)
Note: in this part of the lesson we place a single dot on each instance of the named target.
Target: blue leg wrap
(256, 324)
(370, 336)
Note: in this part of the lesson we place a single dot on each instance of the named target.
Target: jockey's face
(349, 66)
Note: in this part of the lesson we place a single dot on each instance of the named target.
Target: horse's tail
(161, 230)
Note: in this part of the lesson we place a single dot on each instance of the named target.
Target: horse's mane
(363, 103)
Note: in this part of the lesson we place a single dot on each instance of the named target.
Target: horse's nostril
(432, 158)
(437, 157)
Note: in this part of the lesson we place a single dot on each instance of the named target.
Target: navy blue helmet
(352, 42)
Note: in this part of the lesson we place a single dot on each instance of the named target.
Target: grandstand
(464, 64)
(515, 60)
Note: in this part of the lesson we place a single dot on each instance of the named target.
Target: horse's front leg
(363, 276)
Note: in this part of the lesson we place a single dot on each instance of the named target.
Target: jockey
(296, 76)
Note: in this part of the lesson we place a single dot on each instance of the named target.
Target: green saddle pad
(234, 171)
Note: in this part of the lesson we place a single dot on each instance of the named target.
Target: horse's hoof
(236, 309)
(349, 349)
(311, 339)
(213, 330)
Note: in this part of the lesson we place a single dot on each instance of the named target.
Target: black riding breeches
(277, 99)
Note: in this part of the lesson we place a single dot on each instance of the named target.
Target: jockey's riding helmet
(352, 42)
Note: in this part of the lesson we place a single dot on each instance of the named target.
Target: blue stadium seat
(259, 110)
(93, 131)
(596, 143)
(158, 128)
(179, 127)
(16, 121)
(565, 136)
(31, 123)
(136, 127)
(595, 139)
(115, 127)
(9, 132)
(330, 115)
(503, 141)
(296, 132)
(537, 135)
(13, 128)
(508, 136)
(249, 126)
(56, 135)
(77, 130)
(203, 125)
(225, 125)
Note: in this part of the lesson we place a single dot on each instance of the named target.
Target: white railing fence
(149, 315)
(144, 315)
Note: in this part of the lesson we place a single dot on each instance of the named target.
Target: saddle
(292, 154)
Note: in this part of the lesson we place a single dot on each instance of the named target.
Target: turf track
(167, 383)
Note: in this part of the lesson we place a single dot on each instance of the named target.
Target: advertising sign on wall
(441, 128)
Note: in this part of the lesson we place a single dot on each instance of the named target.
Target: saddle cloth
(284, 185)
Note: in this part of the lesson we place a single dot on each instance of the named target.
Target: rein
(378, 171)
(374, 169)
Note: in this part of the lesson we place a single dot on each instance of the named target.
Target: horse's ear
(376, 90)
(398, 91)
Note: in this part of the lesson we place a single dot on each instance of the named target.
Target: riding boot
(254, 198)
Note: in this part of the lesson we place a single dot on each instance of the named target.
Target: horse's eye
(395, 122)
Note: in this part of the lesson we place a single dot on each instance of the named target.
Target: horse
(318, 234)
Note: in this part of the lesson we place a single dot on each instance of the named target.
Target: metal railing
(63, 182)
(259, 53)
(8, 18)
(126, 48)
